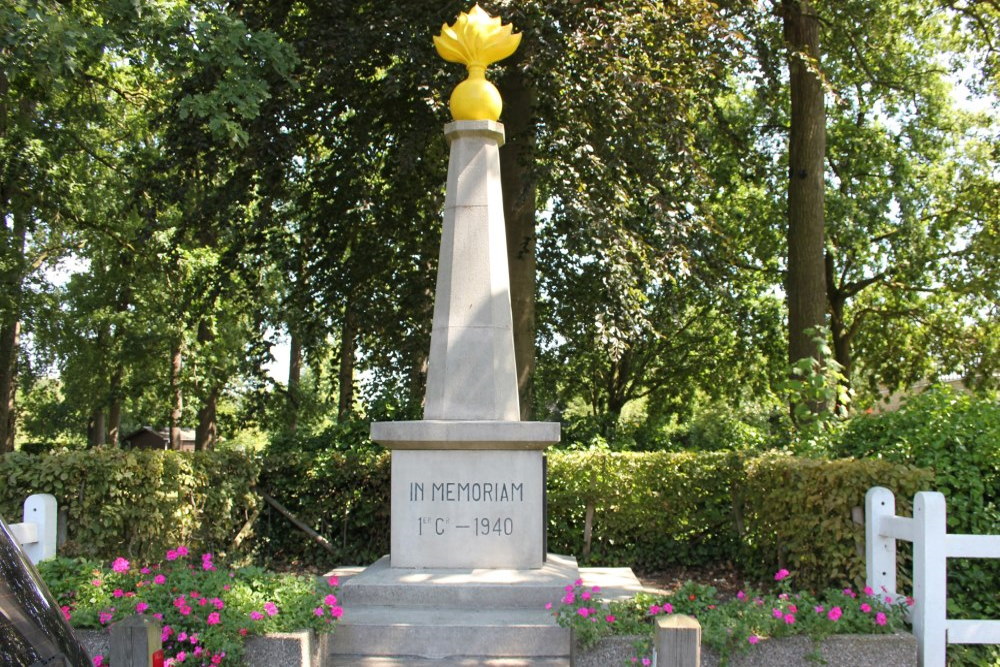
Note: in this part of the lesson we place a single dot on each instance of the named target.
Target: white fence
(932, 547)
(37, 534)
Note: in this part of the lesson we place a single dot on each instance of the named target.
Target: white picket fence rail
(37, 534)
(932, 547)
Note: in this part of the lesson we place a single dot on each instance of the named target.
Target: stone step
(425, 632)
(382, 585)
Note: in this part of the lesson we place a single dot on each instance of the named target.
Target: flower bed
(733, 629)
(207, 611)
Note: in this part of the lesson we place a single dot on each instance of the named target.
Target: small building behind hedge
(147, 438)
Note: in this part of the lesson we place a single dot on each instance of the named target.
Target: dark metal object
(33, 632)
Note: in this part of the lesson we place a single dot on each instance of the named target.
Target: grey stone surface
(430, 632)
(608, 651)
(899, 650)
(471, 373)
(97, 642)
(457, 434)
(467, 509)
(413, 661)
(382, 585)
(289, 649)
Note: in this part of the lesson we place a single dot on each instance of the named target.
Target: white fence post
(930, 577)
(37, 534)
(880, 550)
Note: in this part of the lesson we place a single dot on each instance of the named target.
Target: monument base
(441, 613)
(468, 509)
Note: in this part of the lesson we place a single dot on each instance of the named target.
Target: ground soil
(726, 578)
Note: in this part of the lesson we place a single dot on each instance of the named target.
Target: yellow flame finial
(476, 40)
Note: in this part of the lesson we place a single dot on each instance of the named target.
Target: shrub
(136, 502)
(205, 608)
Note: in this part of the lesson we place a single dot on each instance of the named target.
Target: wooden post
(880, 550)
(134, 640)
(930, 578)
(678, 641)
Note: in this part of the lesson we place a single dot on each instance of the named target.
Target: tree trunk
(345, 377)
(115, 409)
(206, 433)
(95, 427)
(806, 284)
(519, 193)
(176, 395)
(294, 379)
(10, 328)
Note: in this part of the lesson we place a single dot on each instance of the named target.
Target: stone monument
(468, 486)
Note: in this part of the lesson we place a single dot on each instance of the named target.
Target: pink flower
(548, 605)
(218, 603)
(819, 609)
(336, 612)
(256, 615)
(668, 608)
(144, 570)
(331, 600)
(609, 618)
(585, 595)
(185, 610)
(792, 608)
(159, 579)
(95, 582)
(849, 593)
(568, 588)
(182, 636)
(583, 611)
(181, 656)
(333, 581)
(199, 650)
(319, 611)
(753, 639)
(98, 661)
(65, 612)
(270, 608)
(834, 614)
(741, 596)
(865, 607)
(213, 618)
(868, 591)
(243, 633)
(578, 582)
(781, 574)
(777, 613)
(647, 662)
(880, 619)
(158, 616)
(141, 607)
(789, 619)
(888, 599)
(171, 554)
(654, 609)
(182, 551)
(105, 617)
(595, 589)
(569, 598)
(166, 632)
(120, 565)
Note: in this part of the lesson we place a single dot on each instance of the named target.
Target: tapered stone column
(468, 488)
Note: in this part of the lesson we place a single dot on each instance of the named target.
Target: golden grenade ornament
(476, 40)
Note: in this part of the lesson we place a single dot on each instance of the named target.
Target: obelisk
(468, 487)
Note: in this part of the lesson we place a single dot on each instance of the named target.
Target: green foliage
(731, 626)
(958, 437)
(136, 503)
(798, 513)
(204, 603)
(342, 494)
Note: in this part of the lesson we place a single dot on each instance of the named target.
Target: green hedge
(649, 510)
(136, 503)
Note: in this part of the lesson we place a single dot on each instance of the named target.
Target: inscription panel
(467, 509)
